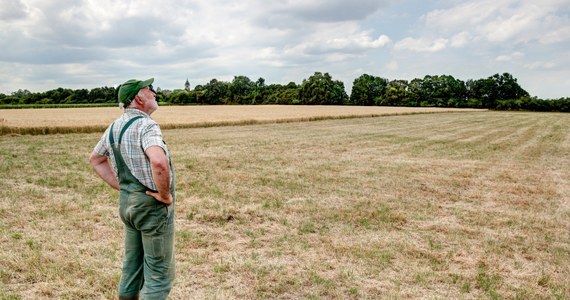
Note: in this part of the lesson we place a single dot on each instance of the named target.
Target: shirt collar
(136, 112)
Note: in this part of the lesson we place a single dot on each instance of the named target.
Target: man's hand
(166, 200)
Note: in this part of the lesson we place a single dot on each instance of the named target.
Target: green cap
(129, 89)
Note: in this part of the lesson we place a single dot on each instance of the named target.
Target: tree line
(500, 91)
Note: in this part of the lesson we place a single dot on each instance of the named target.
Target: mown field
(468, 205)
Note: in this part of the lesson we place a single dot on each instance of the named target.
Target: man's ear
(138, 99)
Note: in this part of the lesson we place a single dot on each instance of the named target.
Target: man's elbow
(96, 159)
(160, 165)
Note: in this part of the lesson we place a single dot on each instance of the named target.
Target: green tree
(289, 94)
(485, 90)
(81, 96)
(242, 89)
(259, 94)
(180, 97)
(366, 89)
(455, 90)
(321, 89)
(281, 94)
(495, 88)
(23, 96)
(199, 93)
(216, 92)
(508, 88)
(416, 92)
(445, 90)
(396, 93)
(96, 95)
(21, 93)
(60, 95)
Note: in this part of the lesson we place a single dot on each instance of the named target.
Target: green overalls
(148, 263)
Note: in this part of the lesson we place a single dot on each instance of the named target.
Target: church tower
(187, 85)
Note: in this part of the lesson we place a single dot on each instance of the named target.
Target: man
(140, 168)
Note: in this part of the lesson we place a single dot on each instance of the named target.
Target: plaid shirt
(140, 136)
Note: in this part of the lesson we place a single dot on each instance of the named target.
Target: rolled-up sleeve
(152, 136)
(101, 147)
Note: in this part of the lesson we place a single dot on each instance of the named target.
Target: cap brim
(146, 83)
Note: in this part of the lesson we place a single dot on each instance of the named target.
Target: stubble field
(468, 205)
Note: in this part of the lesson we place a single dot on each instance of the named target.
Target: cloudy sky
(48, 44)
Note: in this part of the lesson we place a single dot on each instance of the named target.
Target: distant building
(187, 85)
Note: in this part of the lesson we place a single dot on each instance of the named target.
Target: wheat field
(466, 205)
(94, 119)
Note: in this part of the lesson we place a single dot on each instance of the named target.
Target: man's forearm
(160, 174)
(161, 177)
(108, 175)
(102, 167)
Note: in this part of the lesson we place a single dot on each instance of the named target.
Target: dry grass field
(85, 120)
(469, 205)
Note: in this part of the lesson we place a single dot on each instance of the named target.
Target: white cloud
(506, 20)
(362, 41)
(460, 40)
(512, 56)
(422, 44)
(392, 66)
(558, 35)
(464, 15)
(540, 65)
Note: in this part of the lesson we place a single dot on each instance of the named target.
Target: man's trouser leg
(159, 266)
(148, 265)
(132, 276)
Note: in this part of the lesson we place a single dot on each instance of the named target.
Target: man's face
(149, 100)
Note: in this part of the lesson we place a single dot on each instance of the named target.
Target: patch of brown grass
(418, 206)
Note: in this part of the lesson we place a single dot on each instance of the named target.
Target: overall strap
(127, 126)
(127, 181)
(111, 136)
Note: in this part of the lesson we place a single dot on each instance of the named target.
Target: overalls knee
(148, 263)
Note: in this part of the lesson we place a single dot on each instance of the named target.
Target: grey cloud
(67, 23)
(299, 16)
(27, 52)
(134, 31)
(19, 48)
(12, 10)
(333, 11)
(154, 57)
(68, 42)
